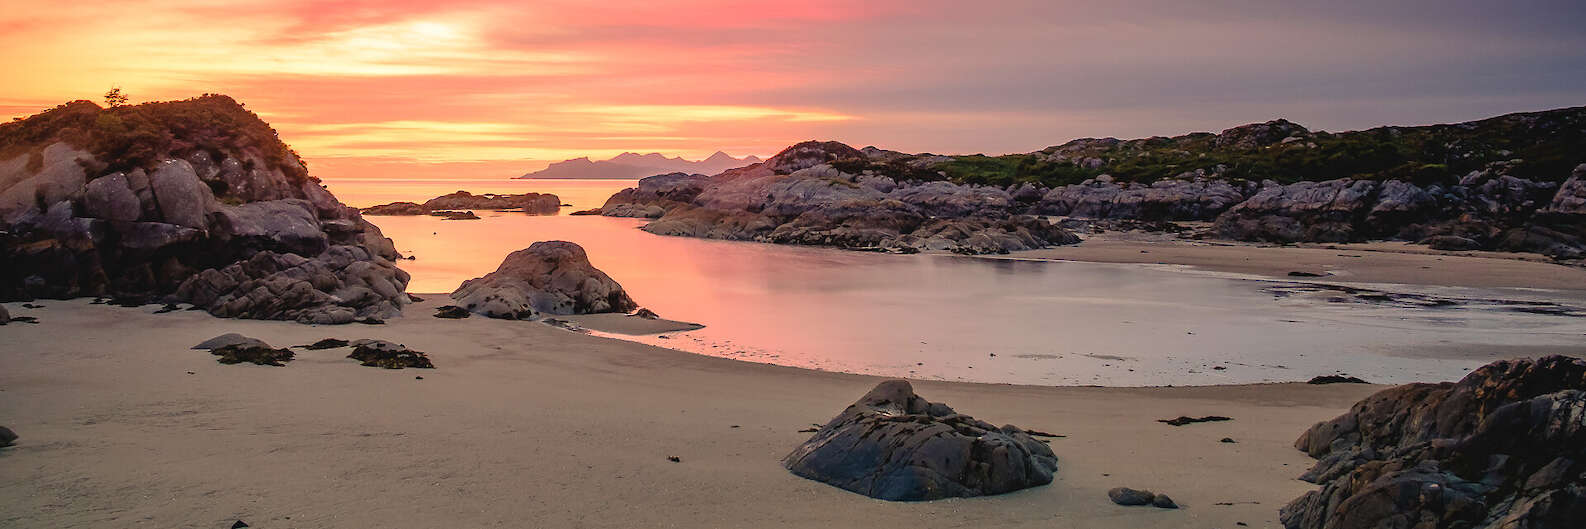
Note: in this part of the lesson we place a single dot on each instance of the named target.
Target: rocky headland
(1510, 183)
(194, 201)
(531, 203)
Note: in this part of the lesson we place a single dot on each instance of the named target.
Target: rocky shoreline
(830, 194)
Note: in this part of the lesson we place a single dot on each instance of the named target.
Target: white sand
(525, 425)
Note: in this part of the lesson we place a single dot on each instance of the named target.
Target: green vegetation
(1543, 146)
(128, 137)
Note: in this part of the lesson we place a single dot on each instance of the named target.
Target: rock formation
(531, 203)
(550, 277)
(895, 445)
(1504, 183)
(1505, 447)
(800, 197)
(194, 201)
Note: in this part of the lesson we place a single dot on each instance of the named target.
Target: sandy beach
(526, 424)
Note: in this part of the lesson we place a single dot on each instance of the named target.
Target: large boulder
(552, 277)
(1505, 447)
(208, 207)
(894, 445)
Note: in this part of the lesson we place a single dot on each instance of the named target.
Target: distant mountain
(633, 165)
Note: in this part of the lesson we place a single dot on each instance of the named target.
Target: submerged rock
(552, 277)
(1505, 447)
(894, 445)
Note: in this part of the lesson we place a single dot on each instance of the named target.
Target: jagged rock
(229, 338)
(7, 437)
(894, 445)
(182, 215)
(1504, 447)
(338, 286)
(552, 277)
(258, 354)
(381, 353)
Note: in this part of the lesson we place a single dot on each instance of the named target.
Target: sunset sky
(485, 88)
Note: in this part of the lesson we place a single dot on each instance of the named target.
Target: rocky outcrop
(1504, 447)
(207, 208)
(654, 196)
(531, 203)
(1172, 199)
(894, 445)
(800, 196)
(1485, 210)
(548, 277)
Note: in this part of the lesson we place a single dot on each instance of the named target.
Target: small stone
(1130, 497)
(1304, 274)
(646, 314)
(674, 459)
(239, 525)
(1229, 440)
(1163, 502)
(7, 437)
(418, 377)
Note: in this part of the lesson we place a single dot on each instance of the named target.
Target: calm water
(959, 318)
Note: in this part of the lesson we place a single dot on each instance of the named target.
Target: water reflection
(961, 318)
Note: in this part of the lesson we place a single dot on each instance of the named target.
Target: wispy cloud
(387, 86)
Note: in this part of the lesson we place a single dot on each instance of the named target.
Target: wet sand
(1374, 262)
(524, 424)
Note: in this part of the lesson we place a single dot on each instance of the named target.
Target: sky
(485, 88)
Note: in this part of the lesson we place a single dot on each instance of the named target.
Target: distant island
(630, 165)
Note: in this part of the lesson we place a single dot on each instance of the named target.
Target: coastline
(524, 421)
(1381, 262)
